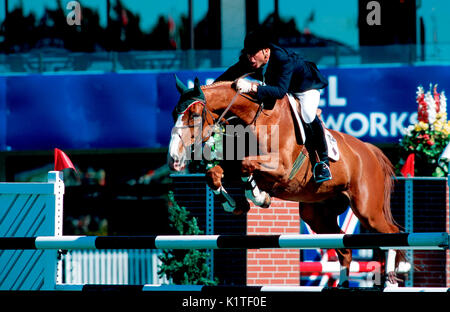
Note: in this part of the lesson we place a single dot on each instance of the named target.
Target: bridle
(219, 122)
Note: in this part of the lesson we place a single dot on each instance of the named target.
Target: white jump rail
(355, 267)
(438, 240)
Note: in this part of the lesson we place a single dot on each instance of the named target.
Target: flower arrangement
(427, 138)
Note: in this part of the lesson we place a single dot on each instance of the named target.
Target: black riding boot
(321, 169)
(309, 144)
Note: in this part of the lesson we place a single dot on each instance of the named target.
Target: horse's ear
(180, 86)
(197, 88)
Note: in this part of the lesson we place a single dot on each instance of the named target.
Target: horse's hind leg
(322, 218)
(373, 217)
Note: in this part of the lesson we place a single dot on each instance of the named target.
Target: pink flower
(437, 99)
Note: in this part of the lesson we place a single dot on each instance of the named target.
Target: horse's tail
(389, 176)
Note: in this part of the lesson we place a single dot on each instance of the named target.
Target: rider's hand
(245, 86)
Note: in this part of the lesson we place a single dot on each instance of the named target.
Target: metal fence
(420, 204)
(50, 60)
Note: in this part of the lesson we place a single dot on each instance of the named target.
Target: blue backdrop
(134, 109)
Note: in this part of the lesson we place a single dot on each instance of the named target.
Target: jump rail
(438, 240)
(355, 267)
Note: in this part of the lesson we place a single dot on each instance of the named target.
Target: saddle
(333, 150)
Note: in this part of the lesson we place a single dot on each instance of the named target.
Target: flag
(408, 167)
(310, 18)
(124, 17)
(62, 161)
(445, 154)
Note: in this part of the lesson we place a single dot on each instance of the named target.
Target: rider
(282, 71)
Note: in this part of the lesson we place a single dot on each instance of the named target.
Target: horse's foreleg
(269, 164)
(252, 192)
(214, 180)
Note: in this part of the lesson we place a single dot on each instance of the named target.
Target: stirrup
(324, 178)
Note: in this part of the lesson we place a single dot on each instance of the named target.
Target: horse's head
(198, 112)
(190, 117)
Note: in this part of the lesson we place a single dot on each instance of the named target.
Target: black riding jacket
(285, 72)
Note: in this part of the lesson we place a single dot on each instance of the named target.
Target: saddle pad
(333, 150)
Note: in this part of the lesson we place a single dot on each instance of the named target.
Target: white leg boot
(252, 192)
(390, 269)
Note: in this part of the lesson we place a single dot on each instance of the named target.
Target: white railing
(118, 267)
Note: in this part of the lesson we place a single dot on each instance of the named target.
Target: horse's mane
(216, 84)
(282, 101)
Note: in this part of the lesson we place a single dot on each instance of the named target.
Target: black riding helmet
(256, 40)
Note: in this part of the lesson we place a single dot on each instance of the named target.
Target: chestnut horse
(362, 176)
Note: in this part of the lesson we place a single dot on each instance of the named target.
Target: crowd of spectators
(21, 33)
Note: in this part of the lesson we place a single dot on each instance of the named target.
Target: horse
(362, 176)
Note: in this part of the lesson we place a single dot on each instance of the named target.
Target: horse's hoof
(228, 207)
(239, 212)
(393, 280)
(267, 201)
(242, 206)
(378, 287)
(227, 202)
(345, 284)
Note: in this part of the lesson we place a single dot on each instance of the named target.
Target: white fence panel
(114, 267)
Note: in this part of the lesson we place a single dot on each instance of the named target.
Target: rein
(258, 112)
(227, 109)
(217, 124)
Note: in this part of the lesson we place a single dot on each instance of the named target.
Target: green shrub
(180, 266)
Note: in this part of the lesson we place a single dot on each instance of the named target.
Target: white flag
(446, 153)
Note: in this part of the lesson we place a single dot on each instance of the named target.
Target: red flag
(62, 161)
(124, 17)
(408, 167)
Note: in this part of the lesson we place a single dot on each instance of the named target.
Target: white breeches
(309, 102)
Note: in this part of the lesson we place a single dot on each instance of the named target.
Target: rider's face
(259, 59)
